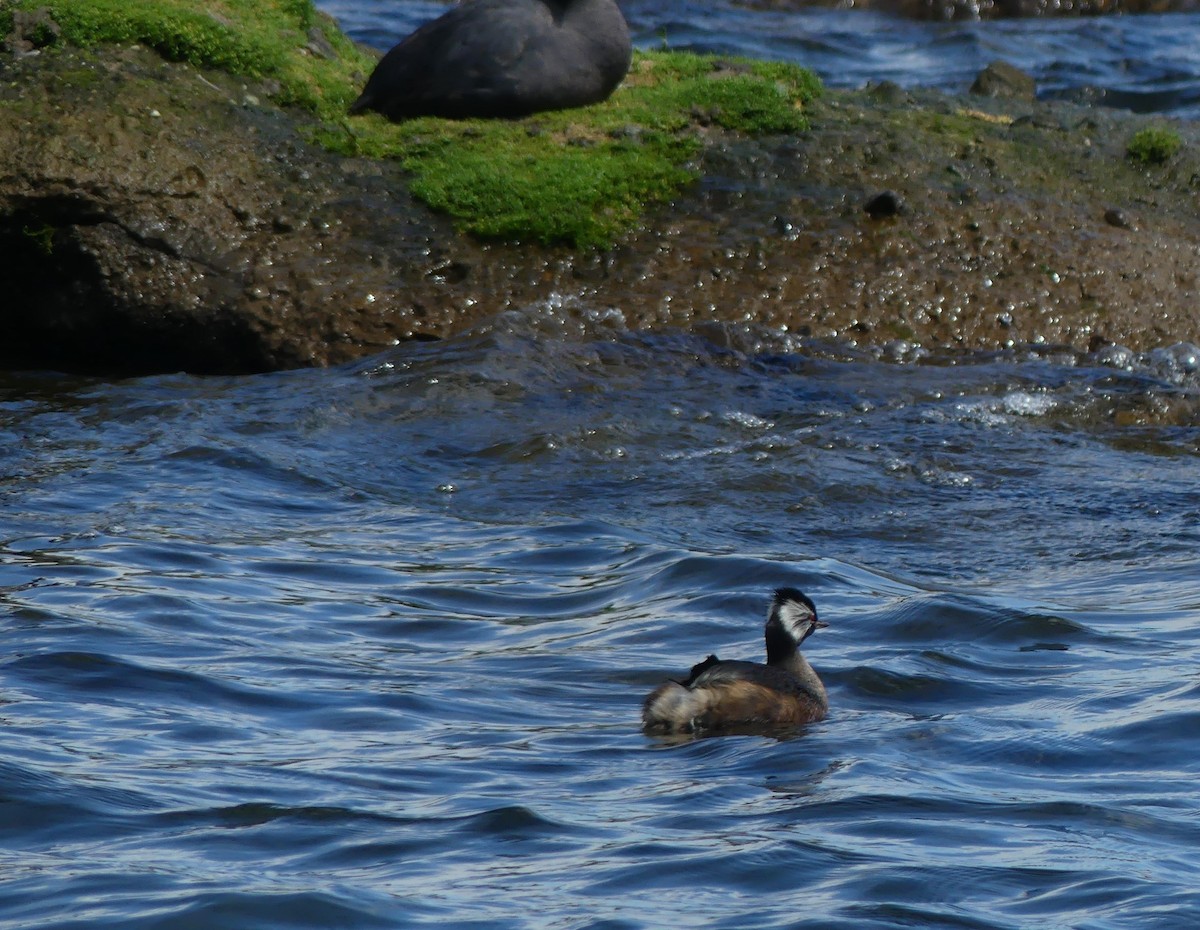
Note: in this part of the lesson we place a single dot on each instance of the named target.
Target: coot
(503, 58)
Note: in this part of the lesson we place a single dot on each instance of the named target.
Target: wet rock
(1000, 79)
(1115, 216)
(32, 31)
(884, 204)
(889, 92)
(151, 222)
(319, 45)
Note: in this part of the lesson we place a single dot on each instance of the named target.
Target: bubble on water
(746, 420)
(980, 411)
(934, 475)
(1000, 411)
(946, 478)
(1025, 404)
(901, 350)
(557, 316)
(1174, 363)
(1115, 356)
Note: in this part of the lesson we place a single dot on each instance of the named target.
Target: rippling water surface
(1147, 63)
(366, 647)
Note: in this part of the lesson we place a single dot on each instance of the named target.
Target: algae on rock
(288, 41)
(583, 177)
(160, 213)
(579, 177)
(1154, 145)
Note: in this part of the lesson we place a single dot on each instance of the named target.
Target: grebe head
(794, 615)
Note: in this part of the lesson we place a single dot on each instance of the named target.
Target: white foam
(1025, 404)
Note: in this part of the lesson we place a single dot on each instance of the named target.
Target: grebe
(503, 58)
(735, 695)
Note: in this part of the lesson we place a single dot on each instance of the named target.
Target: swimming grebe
(503, 59)
(731, 695)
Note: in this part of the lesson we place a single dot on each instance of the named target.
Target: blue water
(1146, 63)
(365, 647)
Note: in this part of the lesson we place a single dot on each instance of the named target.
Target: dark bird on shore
(503, 58)
(720, 695)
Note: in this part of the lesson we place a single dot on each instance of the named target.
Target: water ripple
(1147, 63)
(261, 671)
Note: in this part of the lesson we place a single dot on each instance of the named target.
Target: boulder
(157, 216)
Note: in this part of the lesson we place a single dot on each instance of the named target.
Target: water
(365, 647)
(1146, 63)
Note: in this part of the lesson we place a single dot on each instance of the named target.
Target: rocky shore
(157, 215)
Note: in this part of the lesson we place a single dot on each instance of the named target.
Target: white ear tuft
(796, 617)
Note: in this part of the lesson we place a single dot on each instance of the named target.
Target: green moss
(580, 191)
(1153, 145)
(958, 128)
(255, 38)
(580, 177)
(78, 77)
(583, 177)
(42, 236)
(677, 88)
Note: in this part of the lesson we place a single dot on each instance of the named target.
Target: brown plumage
(721, 695)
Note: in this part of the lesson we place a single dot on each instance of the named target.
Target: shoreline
(162, 216)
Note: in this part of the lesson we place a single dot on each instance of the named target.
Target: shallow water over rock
(366, 646)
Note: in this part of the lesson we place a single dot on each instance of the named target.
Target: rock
(32, 31)
(888, 92)
(884, 204)
(1000, 79)
(319, 45)
(1115, 216)
(151, 221)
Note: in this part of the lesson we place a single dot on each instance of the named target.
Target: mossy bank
(580, 177)
(584, 177)
(182, 189)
